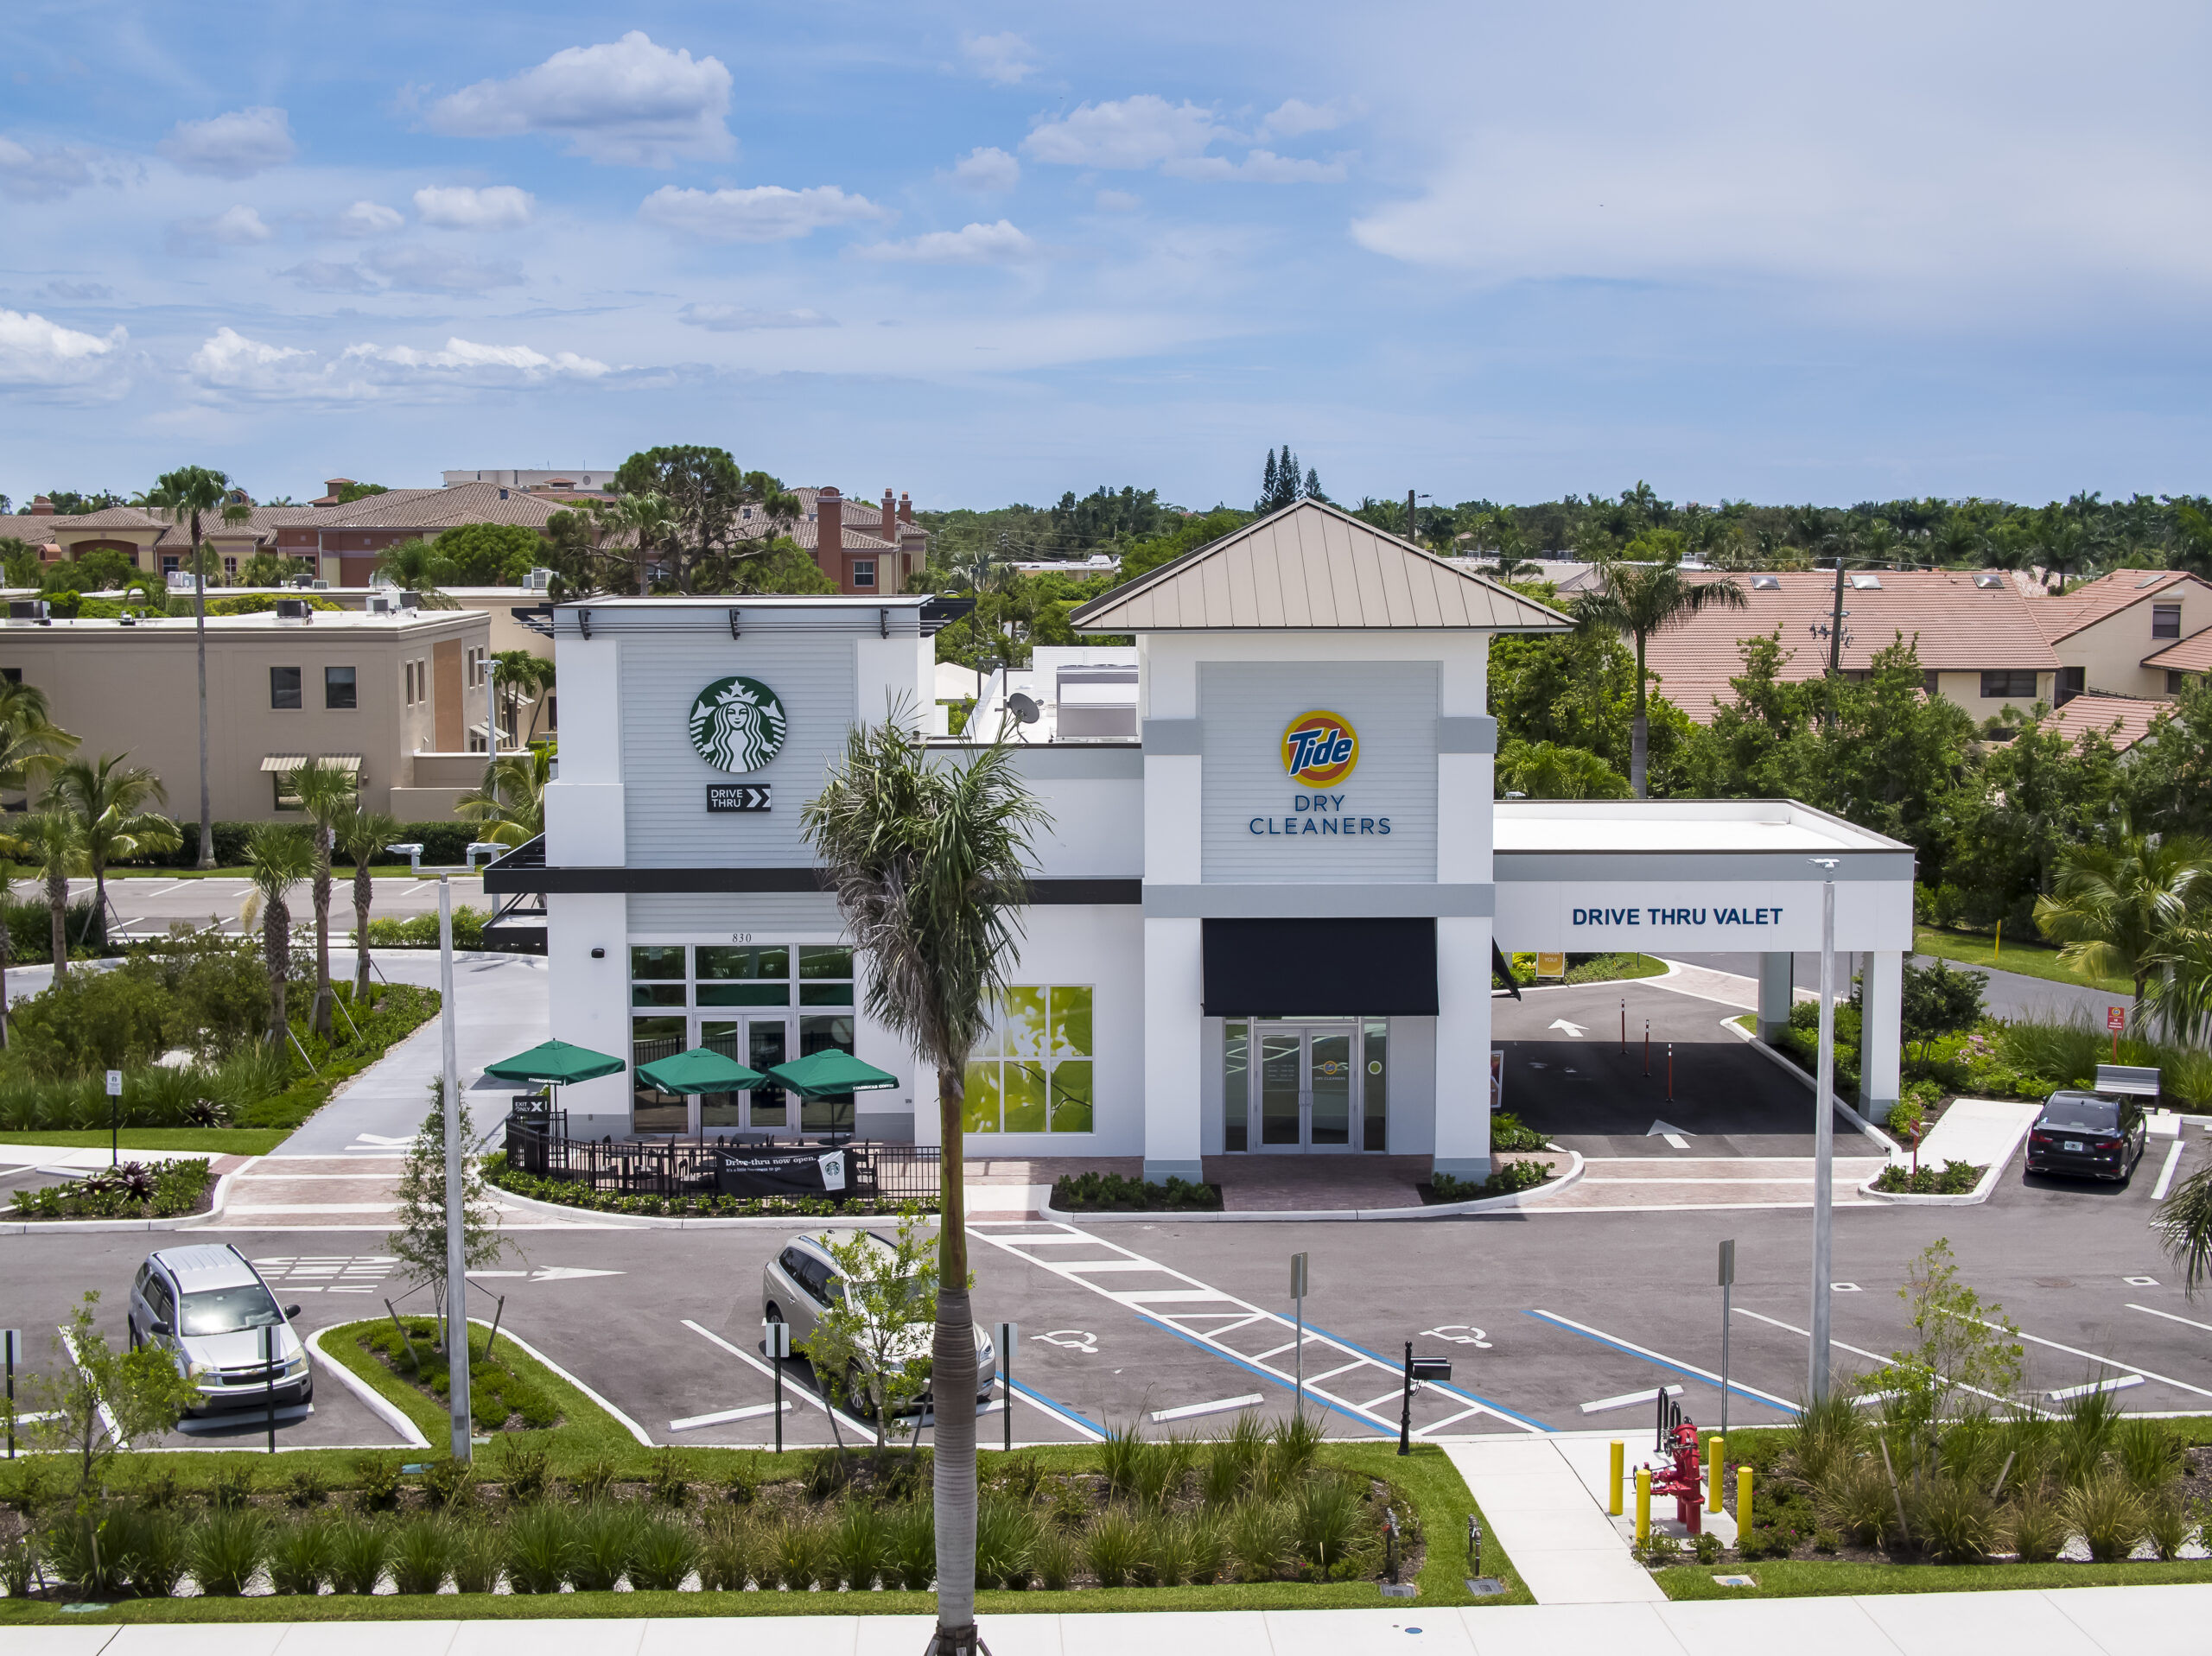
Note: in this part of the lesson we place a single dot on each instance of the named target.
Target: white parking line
(723, 1416)
(1628, 1399)
(2169, 1315)
(1856, 1351)
(1664, 1361)
(2098, 1357)
(805, 1392)
(1191, 1410)
(2166, 1173)
(2066, 1393)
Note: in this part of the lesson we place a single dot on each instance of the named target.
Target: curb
(181, 1221)
(1889, 1144)
(1440, 1210)
(380, 1405)
(1980, 1194)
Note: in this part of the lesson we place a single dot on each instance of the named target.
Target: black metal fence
(538, 1143)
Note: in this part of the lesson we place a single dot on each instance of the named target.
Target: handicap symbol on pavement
(1072, 1339)
(1459, 1334)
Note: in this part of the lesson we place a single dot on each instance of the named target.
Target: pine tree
(1313, 484)
(1287, 479)
(1267, 483)
(420, 1242)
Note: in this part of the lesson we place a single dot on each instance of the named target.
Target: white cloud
(998, 244)
(735, 319)
(41, 175)
(1134, 132)
(1258, 167)
(228, 359)
(236, 145)
(630, 103)
(767, 212)
(464, 356)
(365, 219)
(1006, 59)
(34, 352)
(235, 227)
(425, 270)
(1118, 201)
(1294, 118)
(987, 171)
(456, 206)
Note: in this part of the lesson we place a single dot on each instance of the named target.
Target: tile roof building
(2134, 632)
(2123, 719)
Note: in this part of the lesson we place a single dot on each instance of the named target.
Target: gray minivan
(801, 1282)
(207, 1305)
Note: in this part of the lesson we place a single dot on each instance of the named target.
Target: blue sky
(984, 253)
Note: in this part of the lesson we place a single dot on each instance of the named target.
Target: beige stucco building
(403, 697)
(2134, 632)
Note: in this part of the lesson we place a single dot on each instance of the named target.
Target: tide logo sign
(1319, 748)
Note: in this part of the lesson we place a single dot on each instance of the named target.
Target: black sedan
(2087, 1135)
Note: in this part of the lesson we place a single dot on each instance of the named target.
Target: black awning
(1307, 968)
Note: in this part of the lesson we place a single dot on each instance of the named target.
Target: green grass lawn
(2028, 958)
(213, 1141)
(344, 873)
(1799, 1578)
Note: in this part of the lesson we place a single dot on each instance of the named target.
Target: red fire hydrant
(1680, 1480)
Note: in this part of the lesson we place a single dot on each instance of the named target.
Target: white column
(588, 1000)
(1881, 1044)
(1463, 1048)
(1175, 1048)
(1775, 993)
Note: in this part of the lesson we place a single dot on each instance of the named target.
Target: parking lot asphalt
(1540, 1313)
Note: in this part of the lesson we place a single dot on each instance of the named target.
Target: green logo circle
(738, 725)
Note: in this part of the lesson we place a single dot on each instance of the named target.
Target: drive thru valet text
(1319, 814)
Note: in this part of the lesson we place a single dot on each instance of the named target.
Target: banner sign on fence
(780, 1172)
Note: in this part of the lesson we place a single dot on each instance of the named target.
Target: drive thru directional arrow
(1673, 1134)
(1574, 1031)
(550, 1273)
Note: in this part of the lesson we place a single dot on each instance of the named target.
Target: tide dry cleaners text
(1677, 916)
(1320, 814)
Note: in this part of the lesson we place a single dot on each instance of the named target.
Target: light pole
(456, 1241)
(1824, 1140)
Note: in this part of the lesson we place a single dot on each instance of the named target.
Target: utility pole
(1835, 639)
(1824, 1143)
(1412, 533)
(456, 1241)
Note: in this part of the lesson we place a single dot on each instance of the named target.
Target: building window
(2175, 682)
(230, 571)
(169, 564)
(1032, 1073)
(407, 680)
(1236, 1087)
(1376, 1071)
(284, 687)
(2008, 687)
(2072, 681)
(287, 797)
(338, 688)
(13, 675)
(864, 572)
(2165, 620)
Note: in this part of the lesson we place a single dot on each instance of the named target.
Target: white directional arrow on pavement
(567, 1274)
(1674, 1135)
(1575, 1032)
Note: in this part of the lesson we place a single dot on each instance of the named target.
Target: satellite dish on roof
(1024, 707)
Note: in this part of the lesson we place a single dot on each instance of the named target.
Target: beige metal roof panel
(1313, 566)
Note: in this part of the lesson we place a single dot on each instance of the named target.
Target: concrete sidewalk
(2078, 1621)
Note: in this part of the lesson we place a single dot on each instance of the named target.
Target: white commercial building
(1267, 906)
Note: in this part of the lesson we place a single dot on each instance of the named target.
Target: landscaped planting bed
(575, 1193)
(131, 1190)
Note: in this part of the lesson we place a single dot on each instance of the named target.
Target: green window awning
(701, 1070)
(554, 1060)
(830, 1073)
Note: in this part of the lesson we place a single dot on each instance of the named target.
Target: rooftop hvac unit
(538, 580)
(294, 612)
(28, 612)
(385, 604)
(180, 580)
(318, 586)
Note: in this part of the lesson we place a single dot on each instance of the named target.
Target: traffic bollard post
(1743, 1505)
(1643, 1506)
(779, 1350)
(1008, 1333)
(1713, 1479)
(1618, 1476)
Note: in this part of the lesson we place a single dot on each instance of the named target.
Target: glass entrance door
(1303, 1087)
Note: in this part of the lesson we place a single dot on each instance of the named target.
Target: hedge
(444, 844)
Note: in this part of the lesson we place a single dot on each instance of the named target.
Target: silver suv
(206, 1306)
(802, 1282)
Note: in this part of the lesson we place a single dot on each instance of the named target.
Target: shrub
(421, 931)
(450, 1483)
(1118, 1193)
(2149, 1454)
(377, 1478)
(913, 1545)
(2171, 1527)
(1054, 1558)
(1208, 1547)
(1954, 1519)
(1256, 1540)
(1233, 1461)
(359, 1546)
(1508, 1131)
(2033, 1526)
(607, 1535)
(1006, 1533)
(476, 1549)
(798, 1550)
(525, 1468)
(666, 1551)
(231, 1484)
(541, 1548)
(1855, 1497)
(1327, 1519)
(1292, 1447)
(666, 1482)
(300, 1556)
(422, 1552)
(1505, 1178)
(1953, 1178)
(726, 1554)
(227, 1548)
(2109, 1513)
(859, 1546)
(1114, 1546)
(153, 1549)
(307, 1486)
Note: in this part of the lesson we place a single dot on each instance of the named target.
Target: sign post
(12, 1340)
(1297, 1299)
(1727, 1284)
(271, 1345)
(456, 1283)
(1008, 1333)
(779, 1351)
(115, 1115)
(1816, 1380)
(2115, 1020)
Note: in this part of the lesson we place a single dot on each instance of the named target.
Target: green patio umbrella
(701, 1070)
(556, 1061)
(830, 1073)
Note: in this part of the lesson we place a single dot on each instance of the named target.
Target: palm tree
(415, 566)
(1640, 600)
(2115, 908)
(110, 799)
(31, 743)
(928, 864)
(511, 801)
(361, 835)
(517, 674)
(326, 792)
(187, 495)
(645, 516)
(278, 856)
(52, 847)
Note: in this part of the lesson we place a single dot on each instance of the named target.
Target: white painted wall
(1542, 914)
(587, 1002)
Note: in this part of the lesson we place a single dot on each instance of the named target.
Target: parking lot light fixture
(1824, 1141)
(457, 1192)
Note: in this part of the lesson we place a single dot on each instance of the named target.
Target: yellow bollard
(1643, 1506)
(1620, 1457)
(1712, 1475)
(1743, 1505)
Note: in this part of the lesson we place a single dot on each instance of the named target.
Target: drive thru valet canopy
(1265, 900)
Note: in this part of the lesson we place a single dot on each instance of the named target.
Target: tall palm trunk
(200, 650)
(276, 954)
(57, 908)
(325, 997)
(364, 891)
(7, 952)
(952, 1384)
(1639, 738)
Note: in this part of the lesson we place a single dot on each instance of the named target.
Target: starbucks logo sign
(737, 724)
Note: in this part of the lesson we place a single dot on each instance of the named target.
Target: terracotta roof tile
(2192, 654)
(2094, 600)
(2124, 718)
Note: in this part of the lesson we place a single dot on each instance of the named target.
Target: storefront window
(825, 972)
(823, 1035)
(744, 976)
(655, 961)
(1377, 1069)
(1235, 1083)
(651, 1110)
(1034, 1072)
